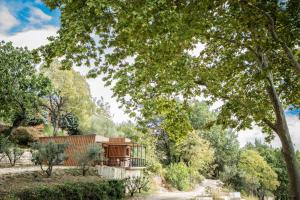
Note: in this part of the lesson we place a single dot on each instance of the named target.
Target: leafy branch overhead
(21, 86)
(160, 54)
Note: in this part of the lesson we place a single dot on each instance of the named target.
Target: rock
(235, 195)
(203, 198)
(222, 198)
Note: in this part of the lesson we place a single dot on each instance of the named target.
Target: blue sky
(29, 23)
(20, 15)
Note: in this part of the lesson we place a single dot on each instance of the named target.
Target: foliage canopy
(250, 59)
(21, 85)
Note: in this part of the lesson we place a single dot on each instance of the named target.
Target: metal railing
(125, 162)
(137, 162)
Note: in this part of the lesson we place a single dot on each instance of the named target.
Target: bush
(257, 175)
(92, 154)
(100, 190)
(48, 154)
(70, 122)
(24, 135)
(4, 144)
(5, 130)
(178, 175)
(136, 184)
(196, 153)
(10, 150)
(13, 154)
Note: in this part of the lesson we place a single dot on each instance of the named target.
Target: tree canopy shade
(20, 85)
(249, 61)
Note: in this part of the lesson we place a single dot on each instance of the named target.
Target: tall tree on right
(249, 60)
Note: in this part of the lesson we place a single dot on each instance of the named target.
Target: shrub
(136, 184)
(5, 130)
(196, 153)
(92, 154)
(70, 123)
(257, 175)
(178, 176)
(13, 154)
(99, 190)
(10, 150)
(48, 154)
(4, 144)
(24, 135)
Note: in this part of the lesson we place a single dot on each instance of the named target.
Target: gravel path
(22, 169)
(200, 190)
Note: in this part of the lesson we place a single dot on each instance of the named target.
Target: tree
(196, 153)
(136, 184)
(165, 147)
(146, 139)
(13, 154)
(101, 120)
(178, 175)
(224, 142)
(85, 159)
(4, 145)
(21, 87)
(74, 88)
(70, 123)
(257, 175)
(56, 106)
(248, 61)
(10, 150)
(48, 154)
(275, 159)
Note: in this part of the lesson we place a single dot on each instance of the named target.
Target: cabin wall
(76, 144)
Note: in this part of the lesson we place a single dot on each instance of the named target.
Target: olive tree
(48, 154)
(92, 154)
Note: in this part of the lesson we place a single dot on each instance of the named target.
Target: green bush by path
(178, 175)
(100, 190)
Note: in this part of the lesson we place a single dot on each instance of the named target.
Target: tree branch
(274, 35)
(270, 124)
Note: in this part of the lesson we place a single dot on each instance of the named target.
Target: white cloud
(31, 38)
(38, 1)
(7, 20)
(37, 16)
(250, 135)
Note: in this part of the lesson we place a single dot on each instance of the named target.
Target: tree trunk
(291, 162)
(282, 130)
(54, 124)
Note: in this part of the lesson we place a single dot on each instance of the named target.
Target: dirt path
(200, 190)
(22, 169)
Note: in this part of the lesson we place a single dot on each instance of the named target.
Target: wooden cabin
(123, 153)
(118, 152)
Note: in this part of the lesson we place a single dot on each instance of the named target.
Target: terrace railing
(125, 162)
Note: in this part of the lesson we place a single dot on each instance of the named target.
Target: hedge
(100, 190)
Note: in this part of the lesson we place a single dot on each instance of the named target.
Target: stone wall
(117, 172)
